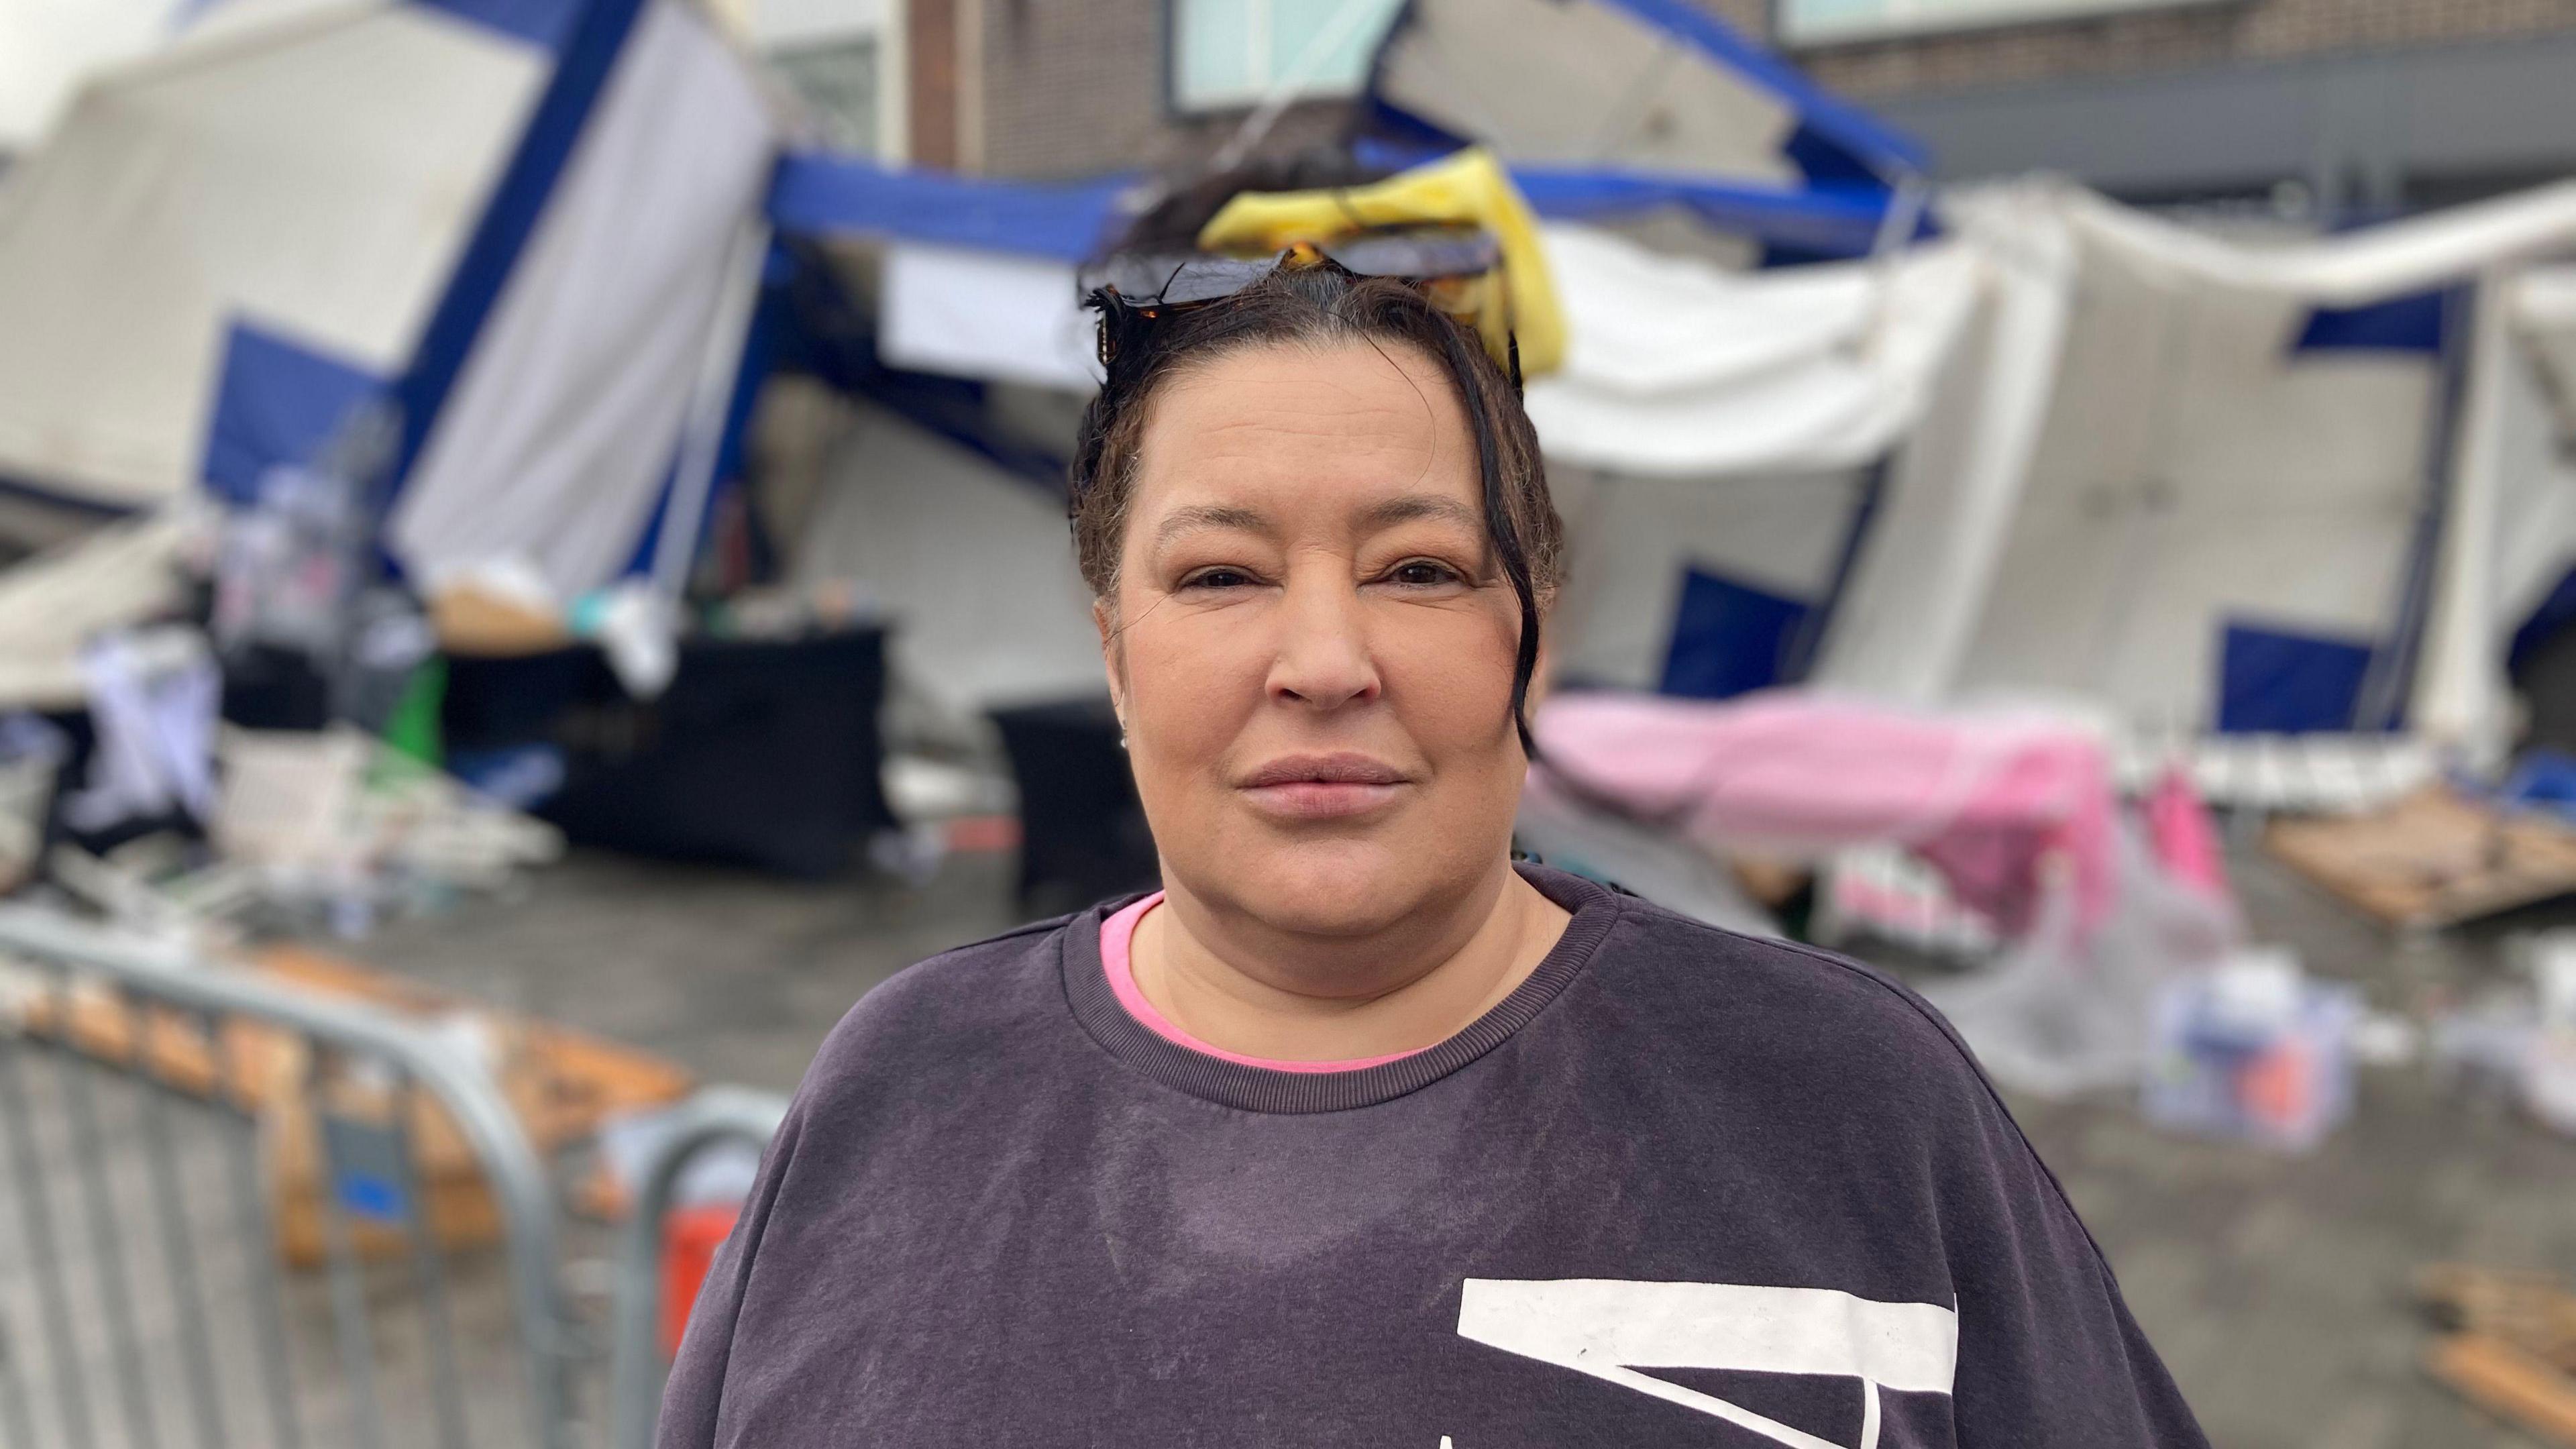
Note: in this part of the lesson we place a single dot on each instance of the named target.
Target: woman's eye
(1422, 573)
(1217, 579)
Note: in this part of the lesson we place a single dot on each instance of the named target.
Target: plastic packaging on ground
(2068, 1010)
(2255, 1051)
(2521, 1047)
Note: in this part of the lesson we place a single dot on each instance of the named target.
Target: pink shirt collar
(1118, 936)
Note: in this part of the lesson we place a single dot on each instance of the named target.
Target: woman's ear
(1104, 617)
(1543, 667)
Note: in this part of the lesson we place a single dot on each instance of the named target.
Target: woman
(1357, 1133)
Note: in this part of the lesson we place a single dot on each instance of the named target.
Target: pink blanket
(1989, 801)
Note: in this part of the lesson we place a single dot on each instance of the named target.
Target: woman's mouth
(1322, 787)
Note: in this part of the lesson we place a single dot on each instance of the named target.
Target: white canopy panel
(2192, 470)
(316, 178)
(968, 313)
(974, 566)
(560, 433)
(1677, 368)
(1570, 82)
(48, 47)
(1674, 367)
(1630, 541)
(2195, 471)
(2543, 316)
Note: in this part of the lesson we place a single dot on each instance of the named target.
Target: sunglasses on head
(1452, 265)
(1157, 281)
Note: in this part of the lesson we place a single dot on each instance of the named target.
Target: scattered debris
(2434, 858)
(2385, 1039)
(2510, 1344)
(2543, 779)
(122, 575)
(2066, 1009)
(2508, 1383)
(2321, 773)
(2531, 1311)
(337, 822)
(2256, 1051)
(1771, 883)
(2518, 1044)
(31, 757)
(153, 697)
(503, 609)
(1890, 893)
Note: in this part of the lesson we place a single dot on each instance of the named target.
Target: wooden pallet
(562, 1083)
(2513, 1346)
(2434, 858)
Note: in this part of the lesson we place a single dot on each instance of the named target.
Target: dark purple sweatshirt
(1680, 1188)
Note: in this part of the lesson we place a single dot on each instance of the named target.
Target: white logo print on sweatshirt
(1611, 1328)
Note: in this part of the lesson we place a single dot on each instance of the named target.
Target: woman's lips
(1320, 799)
(1322, 787)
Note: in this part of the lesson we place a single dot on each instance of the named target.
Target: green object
(413, 727)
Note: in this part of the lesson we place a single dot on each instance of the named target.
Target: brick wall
(1077, 87)
(2252, 31)
(1069, 86)
(930, 95)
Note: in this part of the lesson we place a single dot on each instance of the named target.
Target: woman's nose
(1323, 659)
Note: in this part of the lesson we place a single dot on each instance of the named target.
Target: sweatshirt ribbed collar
(1261, 1089)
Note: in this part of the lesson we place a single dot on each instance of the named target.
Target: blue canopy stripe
(822, 193)
(2284, 681)
(1729, 637)
(2554, 613)
(547, 23)
(1839, 220)
(2401, 324)
(819, 192)
(277, 403)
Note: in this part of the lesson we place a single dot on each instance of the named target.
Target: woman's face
(1310, 645)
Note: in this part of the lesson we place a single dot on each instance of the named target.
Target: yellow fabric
(1469, 188)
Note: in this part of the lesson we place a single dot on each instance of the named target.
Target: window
(1822, 22)
(1235, 52)
(839, 81)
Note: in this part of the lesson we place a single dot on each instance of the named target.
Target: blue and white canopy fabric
(1610, 103)
(2066, 449)
(1658, 85)
(512, 222)
(46, 49)
(2261, 487)
(1675, 366)
(1602, 109)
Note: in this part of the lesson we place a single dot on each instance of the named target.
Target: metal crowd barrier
(143, 1301)
(635, 1371)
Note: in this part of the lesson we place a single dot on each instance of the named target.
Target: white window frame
(1910, 19)
(795, 65)
(1261, 30)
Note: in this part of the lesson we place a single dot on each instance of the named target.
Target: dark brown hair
(1319, 305)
